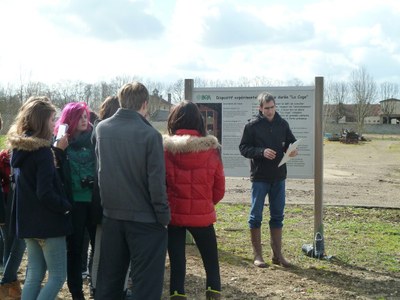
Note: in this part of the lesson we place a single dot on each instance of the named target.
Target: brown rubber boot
(276, 245)
(11, 291)
(257, 249)
(212, 294)
(3, 291)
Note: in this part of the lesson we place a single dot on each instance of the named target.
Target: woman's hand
(62, 143)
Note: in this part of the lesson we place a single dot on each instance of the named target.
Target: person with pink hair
(78, 178)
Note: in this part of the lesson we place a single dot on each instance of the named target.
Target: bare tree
(363, 88)
(63, 93)
(177, 90)
(88, 92)
(388, 91)
(36, 89)
(153, 86)
(336, 95)
(107, 89)
(295, 82)
(119, 81)
(23, 79)
(257, 81)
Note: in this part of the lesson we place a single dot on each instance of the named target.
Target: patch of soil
(366, 174)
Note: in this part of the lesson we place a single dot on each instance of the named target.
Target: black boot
(78, 296)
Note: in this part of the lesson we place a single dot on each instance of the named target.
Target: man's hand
(269, 154)
(293, 153)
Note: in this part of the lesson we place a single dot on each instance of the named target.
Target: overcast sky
(165, 40)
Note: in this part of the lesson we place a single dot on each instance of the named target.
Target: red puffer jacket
(195, 178)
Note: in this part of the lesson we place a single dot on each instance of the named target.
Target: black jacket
(41, 204)
(260, 134)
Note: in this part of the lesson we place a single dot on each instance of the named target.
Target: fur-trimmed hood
(27, 143)
(189, 143)
(23, 145)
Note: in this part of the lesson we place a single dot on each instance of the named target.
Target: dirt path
(366, 174)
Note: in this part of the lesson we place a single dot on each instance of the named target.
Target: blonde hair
(133, 95)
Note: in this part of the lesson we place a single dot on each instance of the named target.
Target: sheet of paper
(286, 156)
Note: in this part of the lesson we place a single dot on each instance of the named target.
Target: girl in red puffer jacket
(195, 184)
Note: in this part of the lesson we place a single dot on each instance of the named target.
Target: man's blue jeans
(45, 254)
(276, 199)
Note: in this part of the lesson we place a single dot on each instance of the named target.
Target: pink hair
(71, 115)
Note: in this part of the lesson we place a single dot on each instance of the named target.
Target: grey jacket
(131, 169)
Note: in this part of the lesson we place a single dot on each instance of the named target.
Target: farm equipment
(349, 137)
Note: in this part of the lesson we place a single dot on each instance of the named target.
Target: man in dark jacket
(264, 141)
(131, 172)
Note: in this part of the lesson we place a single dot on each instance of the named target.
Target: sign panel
(227, 110)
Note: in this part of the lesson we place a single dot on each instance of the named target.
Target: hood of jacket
(189, 148)
(23, 145)
(189, 141)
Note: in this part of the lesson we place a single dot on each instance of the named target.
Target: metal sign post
(319, 247)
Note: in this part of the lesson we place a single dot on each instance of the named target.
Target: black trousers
(142, 244)
(80, 222)
(206, 242)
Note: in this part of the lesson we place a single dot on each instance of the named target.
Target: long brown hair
(33, 118)
(108, 107)
(186, 115)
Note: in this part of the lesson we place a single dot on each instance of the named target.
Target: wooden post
(318, 165)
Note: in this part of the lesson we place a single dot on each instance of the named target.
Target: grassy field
(359, 237)
(2, 141)
(362, 247)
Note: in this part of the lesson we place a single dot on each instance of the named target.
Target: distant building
(159, 108)
(374, 115)
(346, 113)
(390, 111)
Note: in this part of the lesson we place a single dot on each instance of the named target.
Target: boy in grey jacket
(131, 172)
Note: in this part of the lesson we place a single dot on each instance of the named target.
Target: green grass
(358, 238)
(2, 141)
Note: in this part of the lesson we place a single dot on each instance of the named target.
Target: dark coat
(41, 204)
(96, 210)
(260, 134)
